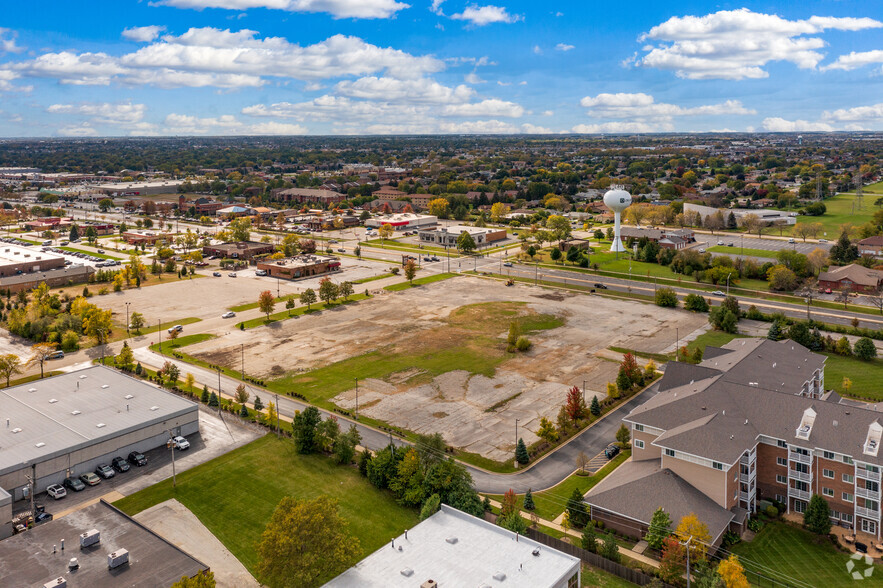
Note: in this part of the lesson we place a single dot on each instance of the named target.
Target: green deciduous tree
(305, 427)
(817, 518)
(305, 543)
(666, 297)
(660, 528)
(308, 297)
(430, 507)
(865, 349)
(10, 364)
(465, 243)
(204, 579)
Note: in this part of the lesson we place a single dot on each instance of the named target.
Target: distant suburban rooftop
(457, 549)
(302, 260)
(59, 414)
(459, 229)
(129, 186)
(28, 559)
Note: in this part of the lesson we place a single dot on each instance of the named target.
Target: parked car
(101, 251)
(507, 264)
(731, 244)
(232, 274)
(228, 314)
(181, 443)
(600, 286)
(105, 471)
(120, 464)
(611, 451)
(42, 517)
(74, 484)
(791, 240)
(260, 272)
(718, 293)
(175, 329)
(720, 242)
(56, 355)
(341, 250)
(137, 458)
(823, 240)
(216, 274)
(56, 491)
(90, 479)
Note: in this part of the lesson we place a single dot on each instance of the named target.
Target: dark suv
(120, 464)
(611, 451)
(137, 458)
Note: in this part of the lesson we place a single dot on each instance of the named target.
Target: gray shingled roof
(678, 373)
(642, 487)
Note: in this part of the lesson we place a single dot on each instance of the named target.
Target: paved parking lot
(772, 245)
(215, 438)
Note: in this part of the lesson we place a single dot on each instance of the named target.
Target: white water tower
(617, 200)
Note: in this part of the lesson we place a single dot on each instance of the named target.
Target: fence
(593, 559)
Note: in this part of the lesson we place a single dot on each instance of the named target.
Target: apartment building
(751, 422)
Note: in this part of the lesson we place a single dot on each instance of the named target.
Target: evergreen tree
(576, 508)
(306, 429)
(204, 398)
(213, 400)
(139, 369)
(660, 528)
(589, 540)
(258, 405)
(731, 220)
(609, 548)
(528, 501)
(521, 454)
(595, 407)
(364, 458)
(817, 517)
(775, 333)
(75, 233)
(243, 412)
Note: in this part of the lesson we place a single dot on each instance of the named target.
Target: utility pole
(171, 445)
(219, 390)
(516, 440)
(159, 330)
(127, 317)
(357, 398)
(277, 413)
(687, 544)
(242, 349)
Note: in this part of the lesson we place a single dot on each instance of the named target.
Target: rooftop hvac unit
(117, 558)
(58, 582)
(429, 584)
(90, 537)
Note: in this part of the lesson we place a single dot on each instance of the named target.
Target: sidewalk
(553, 525)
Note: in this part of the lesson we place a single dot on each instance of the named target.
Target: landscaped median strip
(420, 282)
(292, 313)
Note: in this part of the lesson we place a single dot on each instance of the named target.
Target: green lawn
(166, 325)
(713, 338)
(251, 305)
(551, 503)
(789, 553)
(184, 341)
(373, 278)
(839, 210)
(420, 282)
(739, 251)
(234, 496)
(865, 376)
(598, 578)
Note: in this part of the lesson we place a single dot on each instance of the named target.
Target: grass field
(286, 314)
(184, 341)
(598, 578)
(166, 325)
(788, 553)
(739, 251)
(234, 496)
(551, 503)
(467, 342)
(420, 282)
(839, 210)
(865, 376)
(373, 278)
(713, 338)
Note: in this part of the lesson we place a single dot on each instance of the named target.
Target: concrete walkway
(176, 524)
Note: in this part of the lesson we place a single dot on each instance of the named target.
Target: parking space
(215, 437)
(771, 245)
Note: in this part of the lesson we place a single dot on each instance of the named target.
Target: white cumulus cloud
(336, 8)
(485, 15)
(7, 42)
(478, 127)
(621, 127)
(640, 105)
(490, 107)
(124, 113)
(143, 34)
(737, 44)
(422, 90)
(563, 47)
(873, 112)
(855, 60)
(83, 130)
(780, 125)
(183, 124)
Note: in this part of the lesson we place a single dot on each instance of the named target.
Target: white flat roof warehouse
(457, 549)
(62, 413)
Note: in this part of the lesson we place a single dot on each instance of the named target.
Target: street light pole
(242, 351)
(728, 285)
(171, 445)
(127, 317)
(159, 331)
(219, 390)
(516, 438)
(357, 398)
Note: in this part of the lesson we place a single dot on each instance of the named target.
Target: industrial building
(300, 266)
(140, 188)
(17, 260)
(245, 250)
(447, 236)
(767, 216)
(452, 548)
(110, 549)
(67, 424)
(62, 276)
(403, 221)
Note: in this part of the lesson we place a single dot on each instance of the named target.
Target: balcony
(865, 493)
(745, 496)
(746, 478)
(800, 494)
(799, 457)
(795, 475)
(867, 513)
(867, 475)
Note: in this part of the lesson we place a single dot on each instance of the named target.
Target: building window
(781, 443)
(847, 497)
(670, 452)
(846, 518)
(849, 478)
(781, 479)
(639, 444)
(828, 491)
(828, 473)
(717, 465)
(782, 461)
(828, 455)
(780, 498)
(639, 428)
(847, 459)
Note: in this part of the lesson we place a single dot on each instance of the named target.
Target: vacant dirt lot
(473, 411)
(210, 296)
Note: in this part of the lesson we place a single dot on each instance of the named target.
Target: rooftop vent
(535, 552)
(129, 397)
(40, 444)
(75, 412)
(451, 540)
(154, 408)
(499, 576)
(429, 584)
(53, 400)
(58, 582)
(83, 377)
(32, 389)
(407, 572)
(16, 430)
(99, 425)
(105, 386)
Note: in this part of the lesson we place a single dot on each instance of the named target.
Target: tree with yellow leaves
(692, 528)
(732, 573)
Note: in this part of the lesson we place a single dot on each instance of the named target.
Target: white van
(176, 329)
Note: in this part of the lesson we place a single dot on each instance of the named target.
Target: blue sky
(228, 67)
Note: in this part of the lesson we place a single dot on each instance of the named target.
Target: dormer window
(872, 443)
(806, 423)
